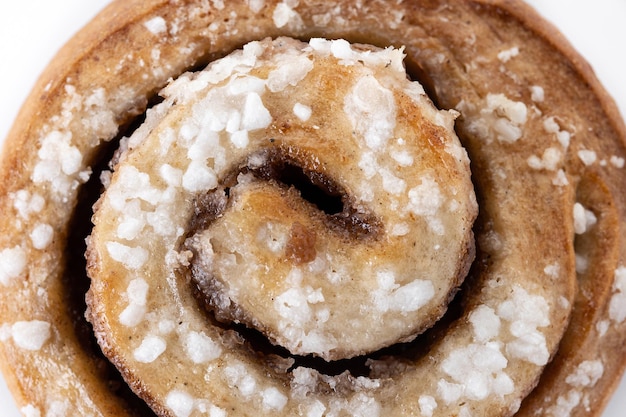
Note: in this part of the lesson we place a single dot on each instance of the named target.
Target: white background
(31, 31)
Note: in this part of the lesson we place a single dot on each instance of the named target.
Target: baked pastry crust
(80, 93)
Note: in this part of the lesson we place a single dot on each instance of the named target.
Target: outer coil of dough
(546, 146)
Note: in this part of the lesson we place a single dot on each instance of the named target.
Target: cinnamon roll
(316, 209)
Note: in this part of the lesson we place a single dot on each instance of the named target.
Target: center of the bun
(341, 224)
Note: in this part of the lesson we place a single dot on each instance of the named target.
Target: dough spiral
(547, 167)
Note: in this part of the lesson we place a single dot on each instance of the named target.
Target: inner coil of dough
(377, 273)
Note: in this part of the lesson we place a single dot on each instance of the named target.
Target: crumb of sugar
(537, 93)
(157, 25)
(30, 411)
(284, 15)
(41, 236)
(617, 161)
(31, 335)
(273, 399)
(290, 71)
(26, 203)
(485, 323)
(617, 306)
(499, 118)
(256, 5)
(302, 111)
(586, 374)
(13, 262)
(549, 160)
(390, 296)
(150, 349)
(583, 219)
(180, 403)
(200, 348)
(367, 98)
(588, 157)
(526, 312)
(427, 405)
(131, 257)
(508, 54)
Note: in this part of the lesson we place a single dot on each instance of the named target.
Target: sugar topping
(550, 125)
(31, 335)
(157, 25)
(550, 160)
(30, 411)
(508, 54)
(427, 405)
(477, 370)
(285, 15)
(617, 306)
(13, 262)
(617, 161)
(583, 219)
(500, 118)
(200, 348)
(302, 111)
(26, 203)
(405, 298)
(537, 93)
(587, 374)
(41, 235)
(131, 257)
(226, 118)
(587, 156)
(525, 313)
(136, 293)
(183, 404)
(368, 98)
(150, 349)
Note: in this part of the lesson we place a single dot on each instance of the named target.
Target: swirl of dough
(537, 325)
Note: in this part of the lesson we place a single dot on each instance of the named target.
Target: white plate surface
(31, 31)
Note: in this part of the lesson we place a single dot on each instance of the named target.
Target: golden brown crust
(440, 53)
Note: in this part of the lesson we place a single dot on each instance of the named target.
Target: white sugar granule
(371, 109)
(427, 405)
(588, 157)
(31, 335)
(302, 111)
(41, 236)
(12, 264)
(285, 15)
(30, 411)
(150, 349)
(537, 93)
(485, 323)
(27, 204)
(199, 177)
(156, 25)
(273, 399)
(617, 306)
(131, 257)
(526, 313)
(586, 374)
(200, 348)
(425, 199)
(180, 402)
(583, 219)
(255, 115)
(508, 54)
(290, 71)
(237, 377)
